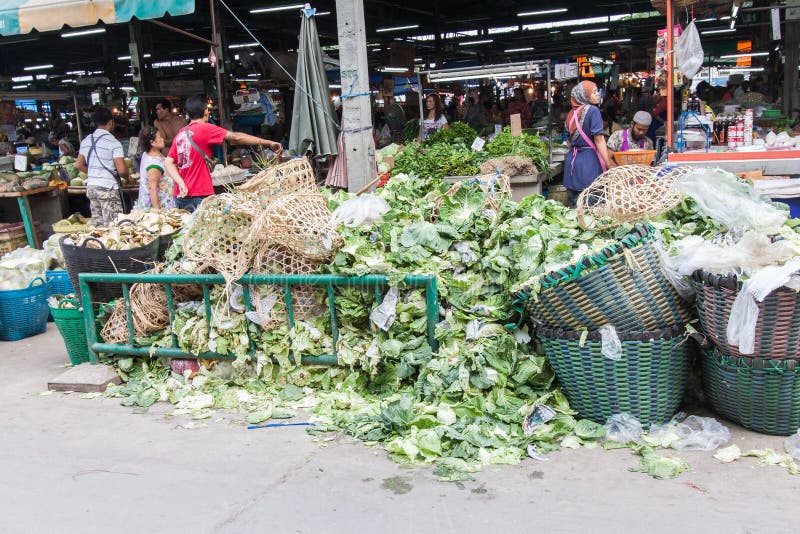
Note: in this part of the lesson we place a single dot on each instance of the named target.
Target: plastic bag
(360, 211)
(671, 267)
(699, 433)
(540, 415)
(611, 345)
(792, 445)
(383, 316)
(689, 51)
(741, 331)
(730, 201)
(623, 428)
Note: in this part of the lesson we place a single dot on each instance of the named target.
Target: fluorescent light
(76, 72)
(376, 50)
(734, 10)
(41, 76)
(334, 86)
(470, 43)
(712, 19)
(397, 28)
(242, 45)
(733, 23)
(39, 67)
(503, 29)
(23, 86)
(723, 30)
(593, 30)
(322, 13)
(523, 49)
(479, 76)
(68, 80)
(84, 32)
(751, 54)
(124, 58)
(276, 8)
(22, 79)
(394, 69)
(543, 12)
(743, 69)
(613, 41)
(127, 88)
(418, 60)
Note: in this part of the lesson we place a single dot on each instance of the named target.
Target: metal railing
(378, 283)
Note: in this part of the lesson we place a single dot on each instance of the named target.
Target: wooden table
(81, 190)
(25, 210)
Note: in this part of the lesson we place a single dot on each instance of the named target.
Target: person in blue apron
(635, 137)
(587, 157)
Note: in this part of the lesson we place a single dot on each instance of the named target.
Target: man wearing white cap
(634, 137)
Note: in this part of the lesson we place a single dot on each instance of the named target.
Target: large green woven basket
(71, 326)
(778, 326)
(648, 382)
(623, 285)
(759, 394)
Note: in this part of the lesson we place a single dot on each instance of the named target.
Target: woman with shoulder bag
(587, 157)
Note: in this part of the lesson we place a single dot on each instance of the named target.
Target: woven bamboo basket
(635, 157)
(648, 381)
(778, 326)
(623, 285)
(760, 394)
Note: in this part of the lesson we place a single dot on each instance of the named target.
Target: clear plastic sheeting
(384, 315)
(792, 445)
(611, 346)
(623, 428)
(699, 433)
(730, 201)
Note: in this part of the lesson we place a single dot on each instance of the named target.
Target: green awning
(23, 16)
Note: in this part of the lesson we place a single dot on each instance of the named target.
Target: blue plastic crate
(794, 205)
(59, 282)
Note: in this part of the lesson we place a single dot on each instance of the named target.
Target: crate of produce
(68, 316)
(777, 334)
(760, 394)
(23, 312)
(94, 257)
(622, 285)
(12, 236)
(647, 381)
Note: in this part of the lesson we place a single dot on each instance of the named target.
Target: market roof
(471, 32)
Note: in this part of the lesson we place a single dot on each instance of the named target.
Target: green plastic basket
(623, 285)
(648, 381)
(760, 394)
(71, 325)
(777, 333)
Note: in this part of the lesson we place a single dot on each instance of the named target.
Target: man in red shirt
(186, 162)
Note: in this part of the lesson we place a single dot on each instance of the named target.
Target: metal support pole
(223, 120)
(27, 221)
(670, 76)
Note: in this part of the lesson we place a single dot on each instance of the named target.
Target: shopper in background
(587, 157)
(395, 117)
(659, 112)
(518, 106)
(65, 148)
(102, 159)
(434, 119)
(189, 161)
(155, 186)
(167, 123)
(635, 137)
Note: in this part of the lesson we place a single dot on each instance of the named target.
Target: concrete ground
(74, 465)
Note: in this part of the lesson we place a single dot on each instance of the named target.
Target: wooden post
(356, 102)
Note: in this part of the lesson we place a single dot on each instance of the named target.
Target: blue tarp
(24, 16)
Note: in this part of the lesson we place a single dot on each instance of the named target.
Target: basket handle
(123, 222)
(68, 301)
(102, 246)
(40, 279)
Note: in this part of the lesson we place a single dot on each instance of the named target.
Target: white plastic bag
(384, 315)
(360, 211)
(689, 51)
(611, 345)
